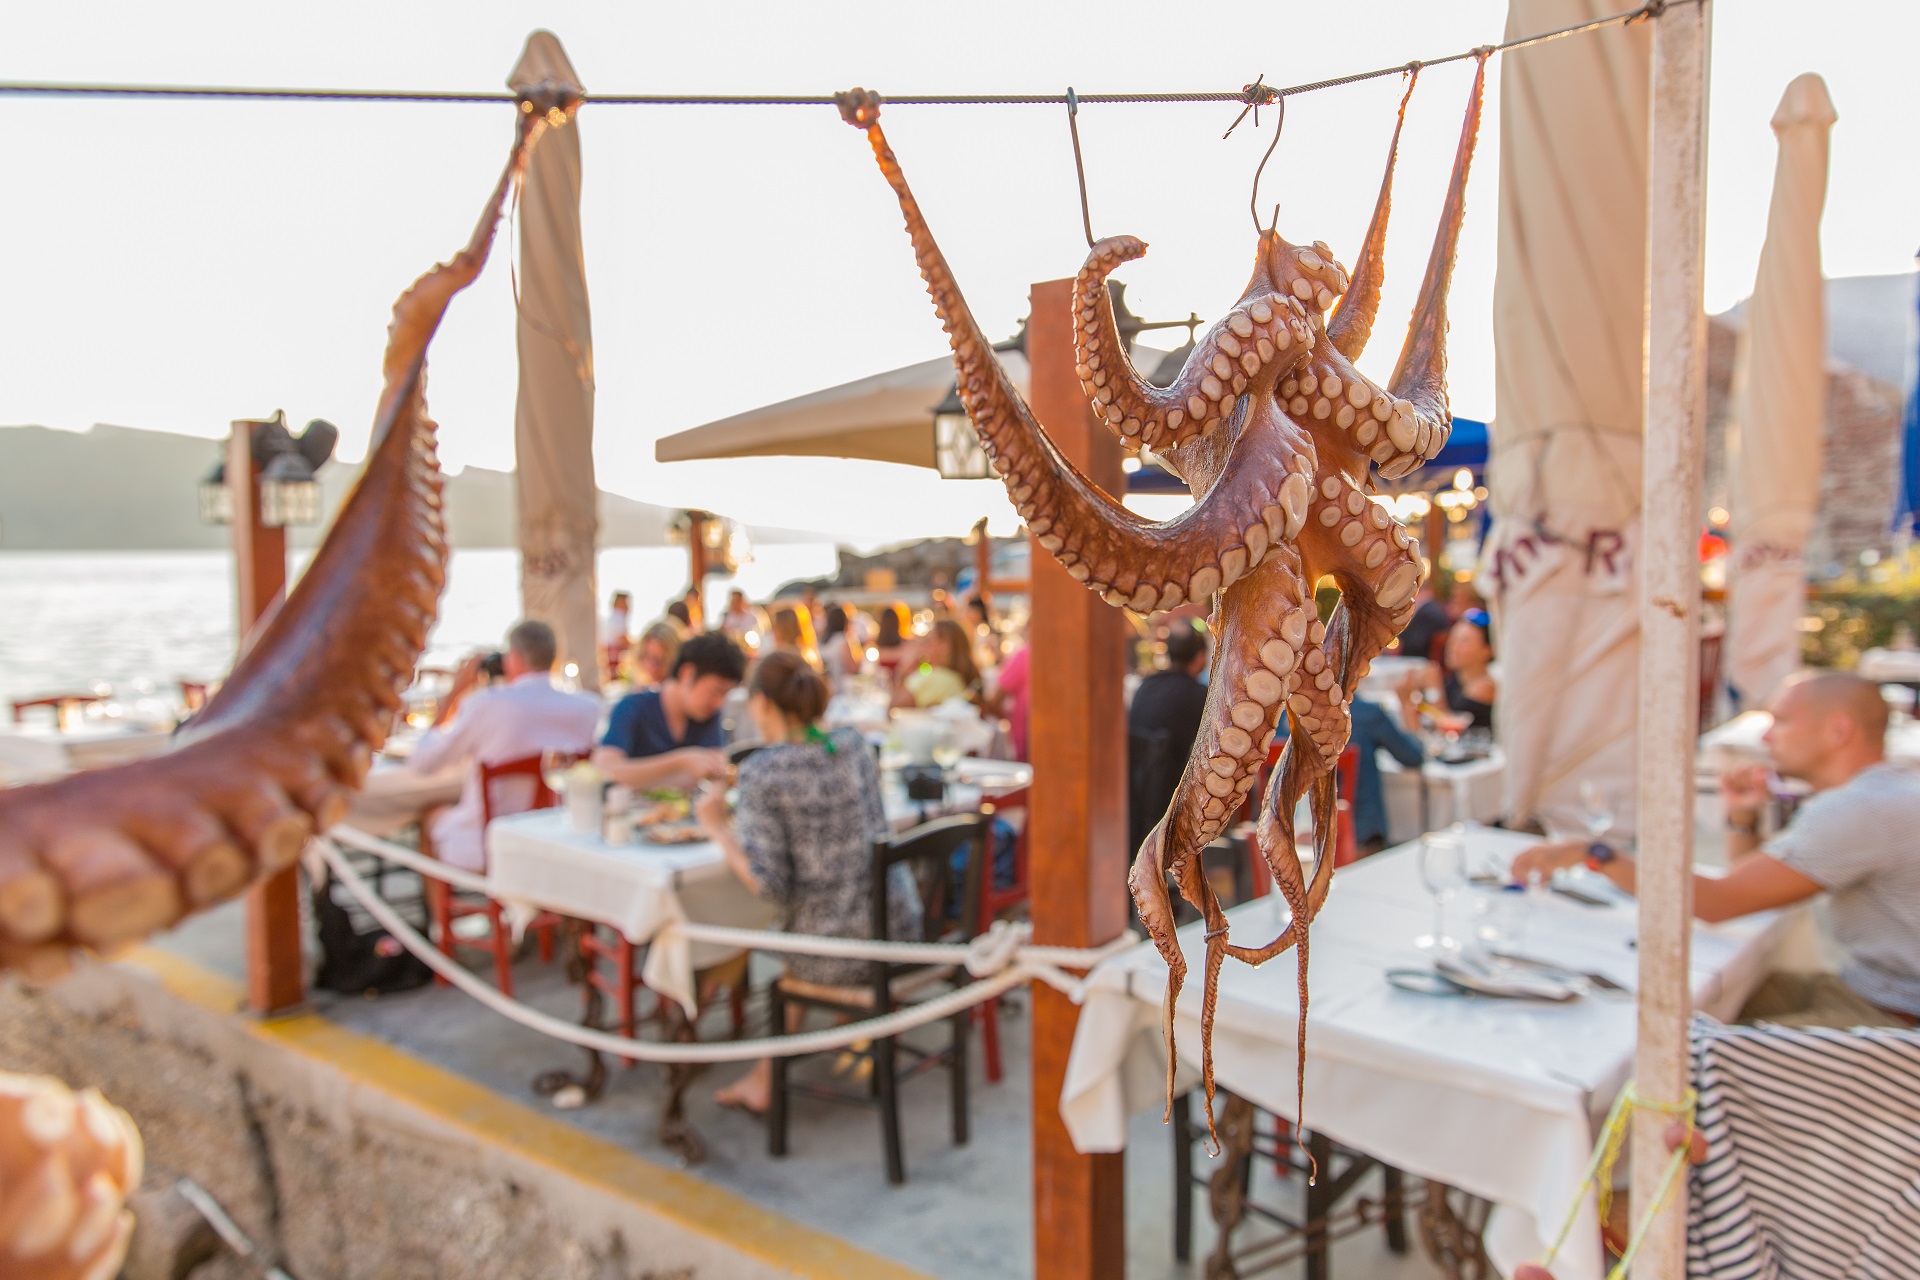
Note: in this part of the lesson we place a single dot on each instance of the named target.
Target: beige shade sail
(885, 418)
(1564, 470)
(553, 418)
(1779, 407)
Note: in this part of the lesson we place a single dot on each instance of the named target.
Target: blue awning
(1467, 447)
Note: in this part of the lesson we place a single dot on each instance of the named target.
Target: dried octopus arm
(1127, 560)
(101, 859)
(1351, 324)
(1261, 331)
(1260, 625)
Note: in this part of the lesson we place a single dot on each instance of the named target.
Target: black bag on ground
(357, 956)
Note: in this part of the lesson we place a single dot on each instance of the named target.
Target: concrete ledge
(366, 1161)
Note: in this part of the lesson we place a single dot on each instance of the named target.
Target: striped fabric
(1813, 1142)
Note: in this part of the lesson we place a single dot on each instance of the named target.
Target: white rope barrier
(998, 958)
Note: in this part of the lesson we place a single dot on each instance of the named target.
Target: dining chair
(949, 912)
(445, 907)
(997, 900)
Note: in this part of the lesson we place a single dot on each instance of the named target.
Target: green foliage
(1860, 611)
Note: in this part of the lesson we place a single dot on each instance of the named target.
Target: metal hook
(1254, 204)
(1079, 169)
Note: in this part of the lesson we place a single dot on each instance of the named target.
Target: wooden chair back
(56, 702)
(926, 852)
(529, 769)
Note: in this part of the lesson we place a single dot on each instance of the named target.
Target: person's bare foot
(750, 1093)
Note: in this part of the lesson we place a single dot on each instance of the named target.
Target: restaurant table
(34, 752)
(1439, 794)
(536, 861)
(1889, 666)
(394, 797)
(1499, 1098)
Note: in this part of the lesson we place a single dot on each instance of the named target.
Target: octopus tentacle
(1262, 626)
(1129, 561)
(100, 859)
(1351, 323)
(1261, 331)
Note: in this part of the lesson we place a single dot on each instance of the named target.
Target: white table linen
(1499, 1098)
(1740, 741)
(34, 752)
(535, 861)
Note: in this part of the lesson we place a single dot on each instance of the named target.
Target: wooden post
(983, 564)
(1078, 737)
(276, 980)
(697, 565)
(1670, 605)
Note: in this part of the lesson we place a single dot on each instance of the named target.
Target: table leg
(674, 1132)
(1451, 1225)
(1227, 1190)
(594, 1083)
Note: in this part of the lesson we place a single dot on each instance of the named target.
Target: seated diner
(671, 736)
(802, 834)
(1853, 840)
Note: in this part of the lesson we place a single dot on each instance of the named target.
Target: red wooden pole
(1078, 739)
(276, 980)
(697, 566)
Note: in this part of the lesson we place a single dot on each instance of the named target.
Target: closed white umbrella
(1779, 406)
(1564, 472)
(553, 418)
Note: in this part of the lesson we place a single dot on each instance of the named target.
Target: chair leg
(1396, 1208)
(440, 912)
(1182, 1179)
(990, 1039)
(737, 1006)
(544, 936)
(1319, 1206)
(501, 943)
(777, 1095)
(957, 1075)
(889, 1083)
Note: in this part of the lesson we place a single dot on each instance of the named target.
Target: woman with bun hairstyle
(802, 833)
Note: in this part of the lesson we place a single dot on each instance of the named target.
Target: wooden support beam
(1078, 737)
(276, 978)
(1670, 523)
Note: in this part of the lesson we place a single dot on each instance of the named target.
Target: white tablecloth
(394, 796)
(1499, 1098)
(1439, 795)
(34, 752)
(1890, 666)
(536, 862)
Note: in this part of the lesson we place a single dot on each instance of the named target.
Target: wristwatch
(1599, 855)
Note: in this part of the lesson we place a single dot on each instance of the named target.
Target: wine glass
(1596, 806)
(1443, 869)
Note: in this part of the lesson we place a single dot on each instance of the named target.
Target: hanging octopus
(1276, 434)
(100, 860)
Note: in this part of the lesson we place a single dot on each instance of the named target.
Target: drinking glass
(1596, 806)
(1443, 869)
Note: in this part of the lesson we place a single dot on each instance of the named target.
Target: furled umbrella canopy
(1569, 302)
(553, 419)
(1779, 401)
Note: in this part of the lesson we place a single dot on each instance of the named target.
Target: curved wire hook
(1079, 169)
(1280, 104)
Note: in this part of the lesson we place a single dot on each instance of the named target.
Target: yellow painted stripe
(491, 1119)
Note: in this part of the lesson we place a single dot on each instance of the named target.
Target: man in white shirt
(526, 715)
(1854, 840)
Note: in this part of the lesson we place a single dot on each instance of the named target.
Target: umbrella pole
(1670, 606)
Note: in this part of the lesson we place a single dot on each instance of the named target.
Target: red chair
(443, 908)
(1346, 849)
(57, 702)
(996, 901)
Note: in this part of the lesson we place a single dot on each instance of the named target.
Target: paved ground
(965, 1213)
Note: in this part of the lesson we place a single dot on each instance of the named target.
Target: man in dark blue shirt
(671, 736)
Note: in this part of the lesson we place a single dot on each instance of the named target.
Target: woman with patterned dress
(802, 834)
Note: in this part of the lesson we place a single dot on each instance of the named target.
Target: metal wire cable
(1246, 97)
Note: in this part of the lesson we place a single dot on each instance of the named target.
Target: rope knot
(1258, 94)
(995, 949)
(859, 107)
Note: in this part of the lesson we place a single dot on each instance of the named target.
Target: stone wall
(1861, 457)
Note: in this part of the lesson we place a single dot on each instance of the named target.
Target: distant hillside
(117, 488)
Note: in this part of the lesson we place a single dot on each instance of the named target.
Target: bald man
(1857, 838)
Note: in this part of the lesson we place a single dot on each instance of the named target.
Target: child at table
(802, 834)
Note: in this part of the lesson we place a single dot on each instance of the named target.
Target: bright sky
(174, 265)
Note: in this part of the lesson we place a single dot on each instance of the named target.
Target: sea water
(142, 621)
